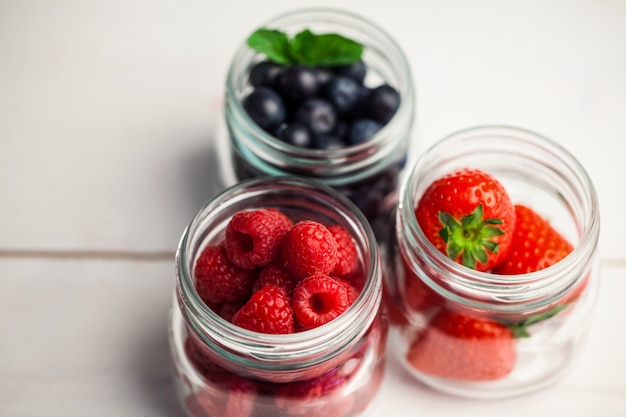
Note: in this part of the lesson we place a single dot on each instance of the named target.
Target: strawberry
(468, 215)
(535, 245)
(462, 347)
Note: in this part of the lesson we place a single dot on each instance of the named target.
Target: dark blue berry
(298, 83)
(317, 114)
(356, 70)
(324, 75)
(382, 103)
(327, 141)
(265, 74)
(343, 92)
(362, 130)
(294, 134)
(265, 107)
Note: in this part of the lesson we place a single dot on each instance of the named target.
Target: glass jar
(368, 172)
(224, 370)
(554, 304)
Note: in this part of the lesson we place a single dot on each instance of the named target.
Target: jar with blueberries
(249, 340)
(337, 106)
(495, 273)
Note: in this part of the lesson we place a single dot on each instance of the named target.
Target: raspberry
(267, 311)
(347, 255)
(227, 395)
(218, 280)
(275, 274)
(312, 397)
(318, 299)
(253, 237)
(353, 293)
(199, 358)
(309, 249)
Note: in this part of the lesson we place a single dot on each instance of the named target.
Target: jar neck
(336, 167)
(541, 162)
(273, 353)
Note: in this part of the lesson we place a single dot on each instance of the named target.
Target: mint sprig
(305, 48)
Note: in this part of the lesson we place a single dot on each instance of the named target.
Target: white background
(107, 115)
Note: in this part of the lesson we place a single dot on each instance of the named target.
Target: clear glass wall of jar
(367, 173)
(542, 175)
(224, 370)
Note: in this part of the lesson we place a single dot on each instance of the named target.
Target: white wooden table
(107, 115)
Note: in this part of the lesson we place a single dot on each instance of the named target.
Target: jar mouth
(276, 352)
(490, 291)
(274, 156)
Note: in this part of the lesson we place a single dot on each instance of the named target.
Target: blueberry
(265, 107)
(343, 92)
(324, 75)
(327, 141)
(356, 70)
(294, 134)
(362, 130)
(298, 83)
(317, 114)
(265, 74)
(381, 103)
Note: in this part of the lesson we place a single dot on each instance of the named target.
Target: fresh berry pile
(310, 92)
(469, 216)
(270, 275)
(325, 395)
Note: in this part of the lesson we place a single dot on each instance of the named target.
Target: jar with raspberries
(324, 94)
(277, 309)
(495, 274)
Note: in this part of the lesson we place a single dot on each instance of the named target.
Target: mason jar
(496, 335)
(368, 172)
(222, 369)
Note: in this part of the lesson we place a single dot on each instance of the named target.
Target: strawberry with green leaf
(468, 215)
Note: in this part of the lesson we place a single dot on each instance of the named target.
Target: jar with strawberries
(495, 274)
(325, 94)
(277, 307)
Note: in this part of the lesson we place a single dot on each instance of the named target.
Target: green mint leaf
(325, 49)
(305, 48)
(273, 43)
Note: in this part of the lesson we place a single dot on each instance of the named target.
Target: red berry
(312, 397)
(198, 356)
(462, 347)
(347, 254)
(309, 249)
(267, 311)
(276, 274)
(253, 237)
(468, 215)
(353, 293)
(318, 299)
(536, 244)
(218, 280)
(227, 395)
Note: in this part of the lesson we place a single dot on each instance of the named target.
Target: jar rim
(508, 293)
(358, 157)
(305, 348)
